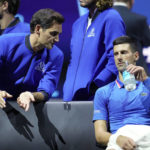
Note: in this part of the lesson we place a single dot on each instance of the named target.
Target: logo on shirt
(40, 67)
(92, 33)
(143, 94)
(96, 111)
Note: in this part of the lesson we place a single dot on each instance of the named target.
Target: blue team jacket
(17, 27)
(25, 70)
(92, 52)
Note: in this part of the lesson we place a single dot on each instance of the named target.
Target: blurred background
(71, 11)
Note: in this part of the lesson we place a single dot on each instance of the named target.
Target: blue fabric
(92, 52)
(19, 27)
(26, 70)
(120, 107)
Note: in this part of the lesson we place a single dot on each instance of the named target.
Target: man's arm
(101, 133)
(47, 84)
(103, 136)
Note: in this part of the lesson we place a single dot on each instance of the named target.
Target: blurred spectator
(136, 27)
(8, 22)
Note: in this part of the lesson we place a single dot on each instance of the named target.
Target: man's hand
(4, 94)
(125, 143)
(24, 100)
(138, 71)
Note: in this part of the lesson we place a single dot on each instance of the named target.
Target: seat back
(56, 125)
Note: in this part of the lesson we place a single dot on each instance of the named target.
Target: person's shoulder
(23, 27)
(24, 24)
(106, 89)
(11, 36)
(112, 14)
(141, 18)
(136, 16)
(81, 18)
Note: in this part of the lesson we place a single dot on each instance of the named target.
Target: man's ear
(5, 6)
(37, 29)
(136, 56)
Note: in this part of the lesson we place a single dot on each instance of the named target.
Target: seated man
(121, 109)
(31, 64)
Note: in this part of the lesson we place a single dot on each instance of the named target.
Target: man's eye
(124, 52)
(53, 33)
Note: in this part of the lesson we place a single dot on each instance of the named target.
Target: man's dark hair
(126, 39)
(45, 18)
(13, 5)
(104, 4)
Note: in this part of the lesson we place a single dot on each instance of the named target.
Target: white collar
(120, 4)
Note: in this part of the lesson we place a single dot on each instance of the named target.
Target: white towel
(139, 133)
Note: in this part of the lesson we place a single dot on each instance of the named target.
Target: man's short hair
(45, 18)
(104, 4)
(13, 6)
(126, 39)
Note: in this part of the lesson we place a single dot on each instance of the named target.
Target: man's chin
(83, 5)
(120, 69)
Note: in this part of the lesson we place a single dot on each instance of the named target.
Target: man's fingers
(2, 106)
(27, 107)
(131, 145)
(8, 95)
(32, 98)
(4, 94)
(2, 103)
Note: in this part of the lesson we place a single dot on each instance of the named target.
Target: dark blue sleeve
(50, 80)
(3, 51)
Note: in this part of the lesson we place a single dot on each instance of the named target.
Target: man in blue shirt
(92, 62)
(31, 63)
(114, 106)
(8, 22)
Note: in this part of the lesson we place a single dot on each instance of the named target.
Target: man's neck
(92, 10)
(120, 76)
(34, 42)
(6, 20)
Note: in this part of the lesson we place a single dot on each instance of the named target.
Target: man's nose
(119, 56)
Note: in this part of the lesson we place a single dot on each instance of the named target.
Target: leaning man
(31, 63)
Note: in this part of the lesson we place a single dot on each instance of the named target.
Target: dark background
(69, 9)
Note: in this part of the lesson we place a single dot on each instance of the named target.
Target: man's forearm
(103, 138)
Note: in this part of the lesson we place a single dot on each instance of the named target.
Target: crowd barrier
(54, 125)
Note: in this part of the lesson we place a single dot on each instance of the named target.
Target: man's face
(123, 53)
(48, 37)
(87, 3)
